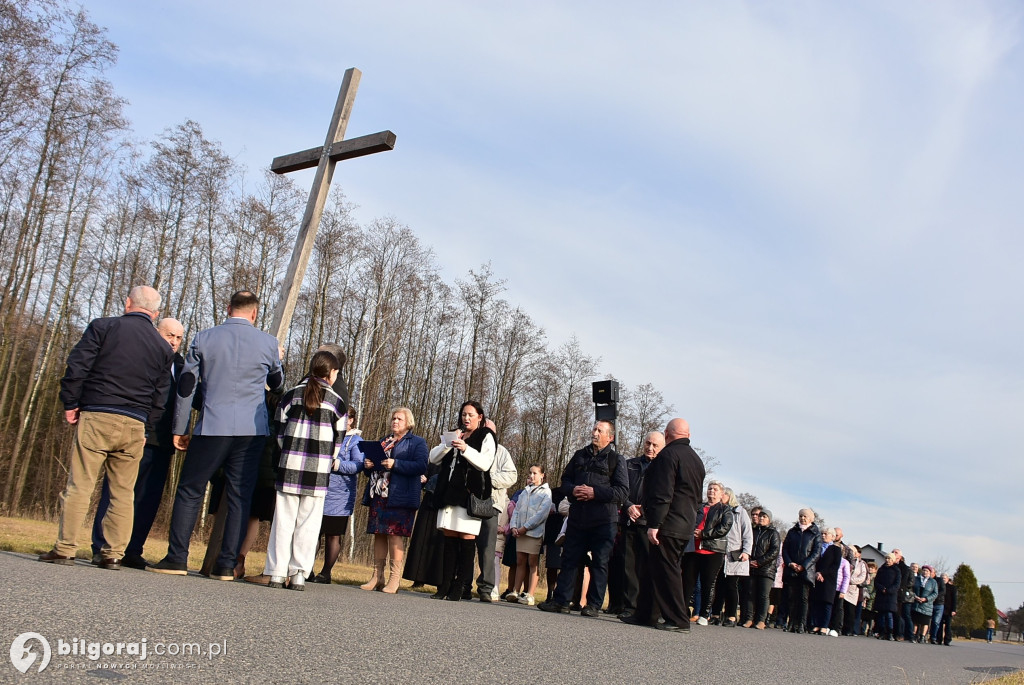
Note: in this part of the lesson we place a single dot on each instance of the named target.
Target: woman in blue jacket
(393, 494)
(341, 498)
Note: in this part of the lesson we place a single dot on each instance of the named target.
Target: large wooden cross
(334, 150)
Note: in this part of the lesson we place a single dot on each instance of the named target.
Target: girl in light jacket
(527, 526)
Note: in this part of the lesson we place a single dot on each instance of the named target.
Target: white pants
(293, 534)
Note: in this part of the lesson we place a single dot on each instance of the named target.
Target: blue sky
(801, 221)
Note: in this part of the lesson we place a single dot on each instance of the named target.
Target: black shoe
(171, 568)
(613, 611)
(110, 564)
(97, 559)
(714, 621)
(729, 623)
(504, 594)
(439, 595)
(673, 628)
(134, 561)
(632, 620)
(553, 607)
(485, 597)
(223, 573)
(588, 612)
(575, 607)
(467, 595)
(320, 579)
(624, 614)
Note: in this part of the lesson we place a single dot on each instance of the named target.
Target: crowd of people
(642, 534)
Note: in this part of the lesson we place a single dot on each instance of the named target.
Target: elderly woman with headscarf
(800, 552)
(887, 591)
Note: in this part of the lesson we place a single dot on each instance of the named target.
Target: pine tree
(988, 604)
(969, 614)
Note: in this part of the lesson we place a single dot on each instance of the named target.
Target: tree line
(86, 213)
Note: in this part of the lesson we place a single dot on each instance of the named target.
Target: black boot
(464, 573)
(449, 561)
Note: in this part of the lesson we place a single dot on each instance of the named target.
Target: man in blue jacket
(595, 484)
(115, 387)
(230, 366)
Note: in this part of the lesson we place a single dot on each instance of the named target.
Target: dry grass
(29, 536)
(1011, 679)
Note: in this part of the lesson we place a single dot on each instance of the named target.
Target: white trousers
(293, 534)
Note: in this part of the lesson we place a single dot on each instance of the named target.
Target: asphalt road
(341, 634)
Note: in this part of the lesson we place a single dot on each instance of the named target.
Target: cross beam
(334, 150)
(340, 151)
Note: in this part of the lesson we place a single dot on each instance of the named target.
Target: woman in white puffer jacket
(527, 525)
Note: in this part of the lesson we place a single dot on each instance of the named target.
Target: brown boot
(395, 578)
(376, 581)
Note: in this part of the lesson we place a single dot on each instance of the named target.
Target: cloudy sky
(801, 221)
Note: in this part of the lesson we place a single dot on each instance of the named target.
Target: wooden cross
(334, 150)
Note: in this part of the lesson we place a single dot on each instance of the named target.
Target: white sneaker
(512, 598)
(702, 621)
(526, 599)
(833, 633)
(495, 596)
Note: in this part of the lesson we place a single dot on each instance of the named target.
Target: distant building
(873, 553)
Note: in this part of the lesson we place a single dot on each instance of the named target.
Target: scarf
(380, 480)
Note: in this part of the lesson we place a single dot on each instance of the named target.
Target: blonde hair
(410, 420)
(733, 502)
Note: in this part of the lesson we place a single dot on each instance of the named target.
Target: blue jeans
(907, 613)
(884, 624)
(149, 490)
(598, 540)
(991, 634)
(937, 612)
(240, 457)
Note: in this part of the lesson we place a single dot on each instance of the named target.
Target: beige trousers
(110, 440)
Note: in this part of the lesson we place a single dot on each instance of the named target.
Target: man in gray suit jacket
(230, 366)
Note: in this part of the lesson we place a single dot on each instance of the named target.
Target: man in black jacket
(595, 484)
(633, 525)
(671, 496)
(115, 387)
(944, 634)
(156, 460)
